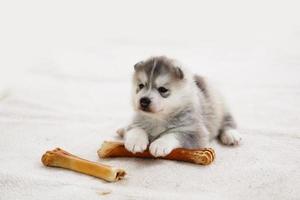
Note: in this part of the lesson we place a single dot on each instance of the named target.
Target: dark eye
(162, 90)
(141, 86)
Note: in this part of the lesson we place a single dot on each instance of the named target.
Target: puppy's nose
(145, 102)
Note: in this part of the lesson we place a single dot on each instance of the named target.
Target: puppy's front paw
(163, 146)
(136, 140)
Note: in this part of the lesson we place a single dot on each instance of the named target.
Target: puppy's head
(158, 86)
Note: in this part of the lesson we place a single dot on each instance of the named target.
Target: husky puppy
(174, 108)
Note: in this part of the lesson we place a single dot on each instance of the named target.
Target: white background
(65, 70)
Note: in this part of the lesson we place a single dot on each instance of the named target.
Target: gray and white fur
(175, 108)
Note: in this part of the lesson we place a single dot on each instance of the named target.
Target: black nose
(145, 102)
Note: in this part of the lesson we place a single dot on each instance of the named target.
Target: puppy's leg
(182, 138)
(229, 135)
(164, 145)
(136, 140)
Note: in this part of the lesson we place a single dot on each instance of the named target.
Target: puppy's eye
(141, 86)
(162, 90)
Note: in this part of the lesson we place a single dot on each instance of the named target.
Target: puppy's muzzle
(144, 103)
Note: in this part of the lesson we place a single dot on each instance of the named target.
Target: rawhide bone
(63, 159)
(198, 156)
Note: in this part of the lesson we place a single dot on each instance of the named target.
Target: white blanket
(65, 82)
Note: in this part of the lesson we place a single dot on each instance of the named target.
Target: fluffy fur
(174, 108)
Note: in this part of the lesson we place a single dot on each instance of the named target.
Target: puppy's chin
(149, 111)
(146, 110)
(161, 114)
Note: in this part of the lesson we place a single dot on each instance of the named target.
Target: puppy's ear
(179, 73)
(138, 65)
